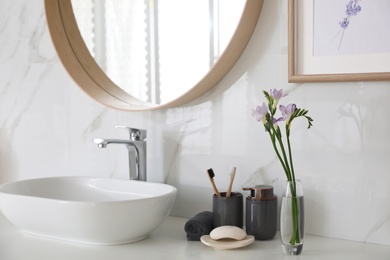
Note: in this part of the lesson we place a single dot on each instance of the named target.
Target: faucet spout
(100, 142)
(136, 152)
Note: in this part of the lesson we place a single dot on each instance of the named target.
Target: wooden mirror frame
(81, 66)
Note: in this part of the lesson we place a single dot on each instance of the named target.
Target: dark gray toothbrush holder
(228, 211)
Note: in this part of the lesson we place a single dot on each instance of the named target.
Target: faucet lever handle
(135, 134)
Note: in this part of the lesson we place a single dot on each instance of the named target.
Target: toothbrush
(232, 174)
(211, 176)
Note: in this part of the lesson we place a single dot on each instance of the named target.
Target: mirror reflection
(156, 50)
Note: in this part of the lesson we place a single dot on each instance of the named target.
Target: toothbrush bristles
(232, 174)
(211, 175)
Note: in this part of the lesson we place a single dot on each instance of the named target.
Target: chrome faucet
(136, 147)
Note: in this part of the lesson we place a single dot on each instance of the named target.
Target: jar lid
(261, 191)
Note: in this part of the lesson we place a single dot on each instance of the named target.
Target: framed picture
(338, 40)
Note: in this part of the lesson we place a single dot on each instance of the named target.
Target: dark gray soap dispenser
(261, 212)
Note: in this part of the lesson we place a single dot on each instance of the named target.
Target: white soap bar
(230, 232)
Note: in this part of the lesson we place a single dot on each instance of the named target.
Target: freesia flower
(287, 111)
(276, 95)
(260, 112)
(275, 122)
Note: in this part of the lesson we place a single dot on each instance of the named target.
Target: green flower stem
(275, 133)
(278, 154)
(290, 153)
(288, 173)
(295, 238)
(289, 170)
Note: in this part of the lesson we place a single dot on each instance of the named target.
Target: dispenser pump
(261, 192)
(261, 212)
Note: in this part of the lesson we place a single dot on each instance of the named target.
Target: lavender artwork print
(350, 27)
(352, 9)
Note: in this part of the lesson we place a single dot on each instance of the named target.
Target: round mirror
(148, 50)
(93, 57)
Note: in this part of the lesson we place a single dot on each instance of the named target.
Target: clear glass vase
(292, 218)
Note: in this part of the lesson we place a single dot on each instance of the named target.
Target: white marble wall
(47, 125)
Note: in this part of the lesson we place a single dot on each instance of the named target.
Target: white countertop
(169, 242)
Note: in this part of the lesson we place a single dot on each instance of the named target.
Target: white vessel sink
(87, 210)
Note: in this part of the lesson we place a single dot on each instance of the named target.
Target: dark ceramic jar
(261, 212)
